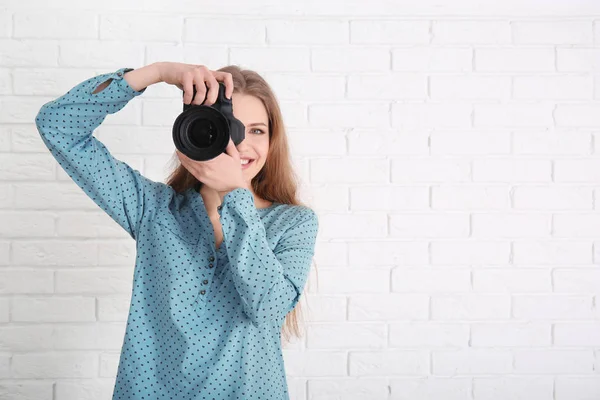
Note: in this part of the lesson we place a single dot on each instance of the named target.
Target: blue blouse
(204, 323)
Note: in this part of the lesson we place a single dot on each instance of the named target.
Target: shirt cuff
(236, 196)
(118, 76)
(239, 201)
(118, 80)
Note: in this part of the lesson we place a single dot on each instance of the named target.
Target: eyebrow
(257, 124)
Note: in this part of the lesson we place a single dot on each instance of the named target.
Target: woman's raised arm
(66, 125)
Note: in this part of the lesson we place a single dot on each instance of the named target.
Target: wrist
(141, 78)
(158, 70)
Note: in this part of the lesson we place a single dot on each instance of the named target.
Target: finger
(200, 86)
(188, 88)
(213, 88)
(196, 168)
(232, 150)
(226, 78)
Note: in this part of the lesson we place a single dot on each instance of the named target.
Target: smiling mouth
(246, 165)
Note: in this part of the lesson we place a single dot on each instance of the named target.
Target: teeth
(244, 162)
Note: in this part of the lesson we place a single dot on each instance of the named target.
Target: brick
(350, 59)
(283, 31)
(514, 59)
(471, 32)
(432, 59)
(223, 31)
(65, 24)
(429, 334)
(388, 307)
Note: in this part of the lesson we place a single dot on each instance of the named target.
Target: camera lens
(202, 133)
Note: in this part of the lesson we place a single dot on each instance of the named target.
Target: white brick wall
(451, 150)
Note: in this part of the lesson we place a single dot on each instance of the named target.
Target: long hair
(276, 181)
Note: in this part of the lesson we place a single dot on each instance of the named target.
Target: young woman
(224, 248)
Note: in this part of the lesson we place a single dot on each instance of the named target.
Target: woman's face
(255, 146)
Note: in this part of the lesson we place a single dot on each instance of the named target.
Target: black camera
(202, 132)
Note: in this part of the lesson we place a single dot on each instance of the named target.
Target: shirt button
(210, 265)
(219, 207)
(211, 258)
(205, 281)
(119, 73)
(202, 291)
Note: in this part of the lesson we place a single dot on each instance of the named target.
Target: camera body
(202, 132)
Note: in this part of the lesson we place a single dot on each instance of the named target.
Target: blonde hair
(276, 181)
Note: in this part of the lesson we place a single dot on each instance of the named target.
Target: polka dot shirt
(204, 322)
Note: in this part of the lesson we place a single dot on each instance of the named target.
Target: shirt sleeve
(269, 282)
(66, 125)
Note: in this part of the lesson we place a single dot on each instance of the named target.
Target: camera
(202, 132)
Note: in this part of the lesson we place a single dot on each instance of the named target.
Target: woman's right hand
(185, 76)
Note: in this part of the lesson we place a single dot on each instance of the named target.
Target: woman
(223, 250)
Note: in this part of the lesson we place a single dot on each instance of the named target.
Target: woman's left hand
(222, 173)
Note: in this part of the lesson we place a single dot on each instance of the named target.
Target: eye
(259, 130)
